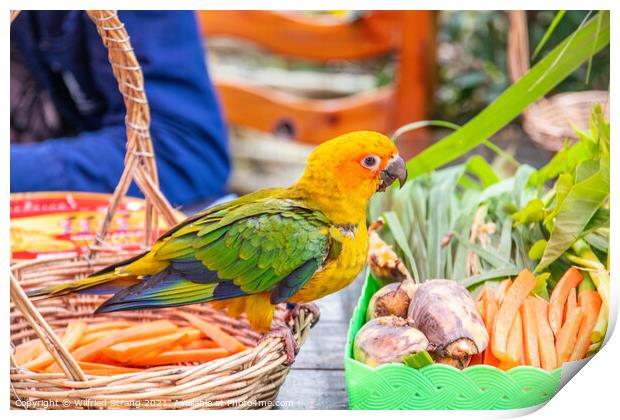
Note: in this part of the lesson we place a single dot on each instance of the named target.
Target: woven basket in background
(250, 379)
(549, 121)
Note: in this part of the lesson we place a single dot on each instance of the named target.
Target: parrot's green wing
(263, 245)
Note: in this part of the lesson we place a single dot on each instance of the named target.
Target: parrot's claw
(290, 345)
(294, 309)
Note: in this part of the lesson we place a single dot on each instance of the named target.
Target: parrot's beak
(395, 169)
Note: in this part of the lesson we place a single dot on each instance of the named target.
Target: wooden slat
(312, 120)
(375, 33)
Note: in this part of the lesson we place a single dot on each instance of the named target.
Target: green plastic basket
(440, 387)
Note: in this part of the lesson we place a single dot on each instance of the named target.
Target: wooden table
(316, 380)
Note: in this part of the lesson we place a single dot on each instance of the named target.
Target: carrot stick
(103, 369)
(530, 333)
(502, 289)
(514, 344)
(27, 351)
(590, 302)
(571, 304)
(72, 335)
(514, 297)
(137, 332)
(491, 307)
(88, 338)
(131, 350)
(571, 279)
(200, 344)
(191, 334)
(567, 337)
(110, 325)
(182, 356)
(223, 339)
(546, 345)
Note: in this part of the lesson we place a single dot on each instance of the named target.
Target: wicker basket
(249, 379)
(549, 122)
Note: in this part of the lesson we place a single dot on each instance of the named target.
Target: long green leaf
(556, 20)
(555, 67)
(401, 240)
(580, 204)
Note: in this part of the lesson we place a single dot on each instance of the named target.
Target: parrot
(277, 245)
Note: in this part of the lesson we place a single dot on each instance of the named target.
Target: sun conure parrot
(277, 245)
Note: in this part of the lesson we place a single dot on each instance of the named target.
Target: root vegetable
(392, 299)
(387, 339)
(384, 264)
(445, 312)
(571, 279)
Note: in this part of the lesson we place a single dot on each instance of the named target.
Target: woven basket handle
(139, 159)
(518, 54)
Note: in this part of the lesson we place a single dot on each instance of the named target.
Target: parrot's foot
(290, 345)
(295, 308)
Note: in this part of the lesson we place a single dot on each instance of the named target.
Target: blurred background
(288, 80)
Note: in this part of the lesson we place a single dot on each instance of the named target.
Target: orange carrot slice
(200, 344)
(546, 345)
(530, 333)
(88, 338)
(102, 369)
(567, 337)
(131, 350)
(571, 304)
(514, 344)
(571, 279)
(515, 296)
(590, 302)
(109, 325)
(72, 335)
(137, 332)
(182, 356)
(502, 289)
(27, 351)
(491, 307)
(223, 339)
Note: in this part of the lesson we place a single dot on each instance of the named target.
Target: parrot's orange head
(352, 167)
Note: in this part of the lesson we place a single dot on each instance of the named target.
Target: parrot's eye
(370, 162)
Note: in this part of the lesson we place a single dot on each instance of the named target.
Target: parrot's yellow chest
(341, 271)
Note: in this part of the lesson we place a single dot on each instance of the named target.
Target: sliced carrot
(200, 344)
(502, 289)
(514, 344)
(88, 338)
(506, 314)
(491, 313)
(571, 304)
(191, 334)
(546, 345)
(590, 302)
(530, 334)
(72, 335)
(137, 332)
(476, 359)
(101, 368)
(503, 365)
(571, 279)
(109, 325)
(567, 337)
(182, 356)
(27, 351)
(223, 339)
(131, 350)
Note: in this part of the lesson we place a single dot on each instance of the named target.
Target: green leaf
(580, 204)
(556, 20)
(481, 168)
(401, 240)
(497, 274)
(537, 250)
(538, 81)
(534, 211)
(491, 257)
(418, 360)
(540, 289)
